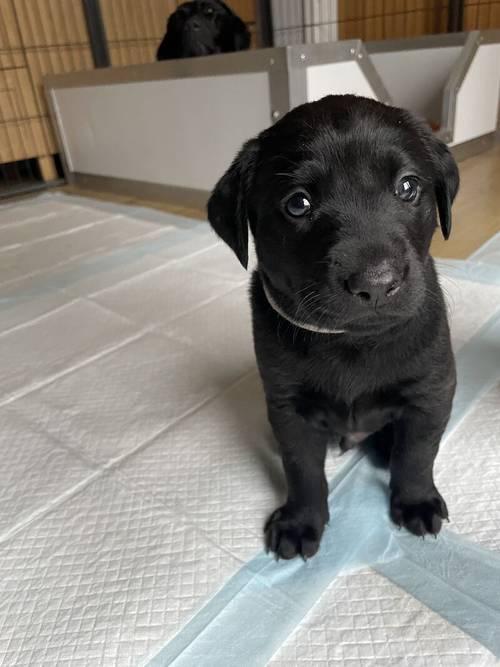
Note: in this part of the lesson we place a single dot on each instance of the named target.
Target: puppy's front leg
(415, 501)
(296, 527)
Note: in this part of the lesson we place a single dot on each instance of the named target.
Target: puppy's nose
(194, 24)
(375, 284)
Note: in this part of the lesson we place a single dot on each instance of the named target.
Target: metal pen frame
(286, 71)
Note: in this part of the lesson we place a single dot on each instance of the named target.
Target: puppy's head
(205, 27)
(341, 197)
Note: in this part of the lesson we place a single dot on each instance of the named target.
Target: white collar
(301, 325)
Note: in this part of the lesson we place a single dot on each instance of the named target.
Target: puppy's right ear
(228, 205)
(240, 35)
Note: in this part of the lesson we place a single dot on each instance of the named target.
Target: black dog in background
(202, 28)
(349, 320)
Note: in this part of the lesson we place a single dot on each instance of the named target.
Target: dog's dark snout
(192, 25)
(375, 284)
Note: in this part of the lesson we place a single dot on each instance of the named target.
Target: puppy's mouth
(199, 43)
(281, 307)
(375, 321)
(317, 308)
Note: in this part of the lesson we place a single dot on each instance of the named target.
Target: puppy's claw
(421, 517)
(294, 532)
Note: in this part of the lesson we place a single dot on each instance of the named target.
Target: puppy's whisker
(452, 281)
(449, 300)
(303, 289)
(313, 309)
(432, 297)
(308, 298)
(321, 320)
(306, 304)
(305, 299)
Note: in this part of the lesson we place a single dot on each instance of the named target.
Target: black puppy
(201, 28)
(349, 321)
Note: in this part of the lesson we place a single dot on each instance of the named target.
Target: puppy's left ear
(446, 182)
(228, 210)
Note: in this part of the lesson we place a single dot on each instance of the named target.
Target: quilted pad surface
(137, 463)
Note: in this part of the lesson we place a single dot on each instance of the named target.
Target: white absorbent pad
(138, 467)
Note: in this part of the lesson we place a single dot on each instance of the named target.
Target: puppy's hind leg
(378, 446)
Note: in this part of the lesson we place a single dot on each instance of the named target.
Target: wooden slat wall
(37, 37)
(21, 131)
(135, 28)
(390, 19)
(11, 54)
(481, 14)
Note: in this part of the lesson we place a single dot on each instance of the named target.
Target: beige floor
(476, 210)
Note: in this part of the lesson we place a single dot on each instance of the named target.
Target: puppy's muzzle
(192, 25)
(375, 284)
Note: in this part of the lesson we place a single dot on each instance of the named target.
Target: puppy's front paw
(419, 517)
(294, 531)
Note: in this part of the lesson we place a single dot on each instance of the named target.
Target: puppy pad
(139, 467)
(489, 253)
(365, 619)
(171, 379)
(36, 470)
(36, 257)
(101, 578)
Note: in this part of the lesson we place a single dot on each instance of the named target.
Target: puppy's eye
(209, 11)
(408, 188)
(298, 205)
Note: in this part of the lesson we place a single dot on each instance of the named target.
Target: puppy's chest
(349, 395)
(356, 420)
(347, 374)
